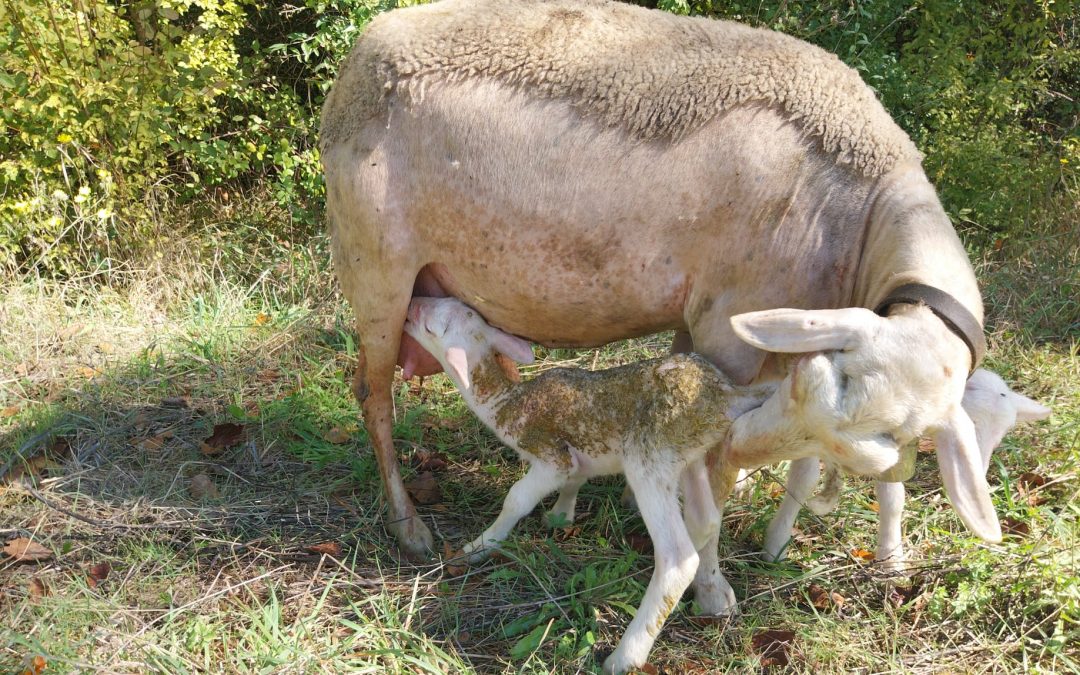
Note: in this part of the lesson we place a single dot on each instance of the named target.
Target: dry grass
(108, 391)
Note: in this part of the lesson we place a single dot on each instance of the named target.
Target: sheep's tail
(826, 500)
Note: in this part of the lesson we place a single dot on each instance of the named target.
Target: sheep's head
(868, 385)
(995, 408)
(460, 338)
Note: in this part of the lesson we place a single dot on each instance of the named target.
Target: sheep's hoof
(414, 537)
(619, 663)
(629, 501)
(894, 562)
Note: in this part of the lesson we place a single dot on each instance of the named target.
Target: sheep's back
(658, 76)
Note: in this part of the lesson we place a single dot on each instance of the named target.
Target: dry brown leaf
(268, 375)
(10, 411)
(202, 487)
(424, 489)
(26, 550)
(330, 548)
(926, 445)
(1015, 526)
(34, 665)
(106, 348)
(97, 573)
(704, 620)
(425, 460)
(823, 599)
(86, 372)
(176, 402)
(21, 369)
(569, 532)
(456, 562)
(641, 543)
(37, 588)
(262, 319)
(337, 436)
(225, 435)
(898, 596)
(648, 669)
(862, 554)
(875, 507)
(775, 490)
(773, 645)
(152, 444)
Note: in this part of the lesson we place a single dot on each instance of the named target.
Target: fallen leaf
(152, 444)
(862, 554)
(775, 490)
(37, 588)
(823, 599)
(649, 669)
(202, 487)
(225, 435)
(564, 533)
(268, 375)
(34, 665)
(424, 489)
(926, 445)
(23, 549)
(106, 348)
(1015, 527)
(98, 573)
(1030, 479)
(772, 646)
(641, 543)
(86, 372)
(337, 436)
(10, 411)
(704, 620)
(898, 596)
(425, 460)
(330, 548)
(875, 507)
(21, 369)
(459, 565)
(176, 402)
(262, 319)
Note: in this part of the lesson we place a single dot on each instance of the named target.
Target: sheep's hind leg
(890, 548)
(537, 483)
(676, 561)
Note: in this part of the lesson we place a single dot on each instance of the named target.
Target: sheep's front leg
(890, 547)
(802, 477)
(676, 561)
(712, 591)
(537, 483)
(563, 511)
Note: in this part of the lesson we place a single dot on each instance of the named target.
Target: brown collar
(954, 315)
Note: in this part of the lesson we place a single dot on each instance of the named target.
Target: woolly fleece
(658, 76)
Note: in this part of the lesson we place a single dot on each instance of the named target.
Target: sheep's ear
(961, 464)
(801, 330)
(459, 364)
(1028, 410)
(512, 346)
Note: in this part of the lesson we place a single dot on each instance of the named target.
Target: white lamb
(994, 409)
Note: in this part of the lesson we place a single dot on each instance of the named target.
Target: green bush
(114, 109)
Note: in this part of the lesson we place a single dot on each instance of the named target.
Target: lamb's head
(869, 384)
(995, 408)
(460, 338)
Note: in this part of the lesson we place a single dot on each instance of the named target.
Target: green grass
(134, 377)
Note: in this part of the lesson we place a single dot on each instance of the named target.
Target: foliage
(114, 111)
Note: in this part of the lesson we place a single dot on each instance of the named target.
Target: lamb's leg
(563, 511)
(681, 343)
(802, 477)
(540, 480)
(676, 561)
(712, 592)
(890, 548)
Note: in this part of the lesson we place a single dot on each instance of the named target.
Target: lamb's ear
(459, 364)
(1028, 410)
(961, 469)
(801, 330)
(512, 346)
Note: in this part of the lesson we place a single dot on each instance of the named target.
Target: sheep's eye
(468, 315)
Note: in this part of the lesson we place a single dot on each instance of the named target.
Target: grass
(108, 391)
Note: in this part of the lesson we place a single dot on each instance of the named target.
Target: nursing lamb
(653, 421)
(586, 171)
(989, 402)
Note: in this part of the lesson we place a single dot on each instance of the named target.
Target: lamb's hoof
(716, 605)
(895, 563)
(414, 537)
(620, 662)
(629, 501)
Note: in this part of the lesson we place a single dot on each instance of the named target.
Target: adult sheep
(582, 172)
